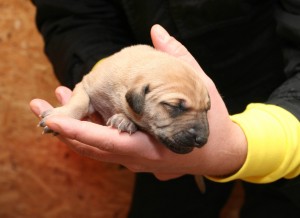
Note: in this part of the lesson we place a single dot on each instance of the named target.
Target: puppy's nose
(200, 140)
(199, 136)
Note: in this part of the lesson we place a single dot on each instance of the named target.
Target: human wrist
(226, 149)
(232, 152)
(273, 144)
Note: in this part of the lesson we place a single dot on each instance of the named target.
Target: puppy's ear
(135, 98)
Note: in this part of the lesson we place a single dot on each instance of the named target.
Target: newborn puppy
(142, 88)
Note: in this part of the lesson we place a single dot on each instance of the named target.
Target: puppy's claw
(120, 127)
(44, 114)
(42, 123)
(122, 123)
(108, 123)
(47, 130)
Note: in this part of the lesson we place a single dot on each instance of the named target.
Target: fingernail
(162, 34)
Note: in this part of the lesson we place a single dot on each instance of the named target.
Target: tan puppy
(142, 88)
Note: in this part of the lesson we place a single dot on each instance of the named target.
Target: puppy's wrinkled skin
(142, 88)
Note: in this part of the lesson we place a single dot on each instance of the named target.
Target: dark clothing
(234, 41)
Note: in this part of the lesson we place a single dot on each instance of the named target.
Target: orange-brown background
(39, 176)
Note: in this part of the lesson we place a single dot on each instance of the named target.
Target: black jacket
(234, 41)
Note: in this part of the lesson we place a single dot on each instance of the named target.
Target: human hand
(223, 154)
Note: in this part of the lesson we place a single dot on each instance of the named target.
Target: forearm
(273, 136)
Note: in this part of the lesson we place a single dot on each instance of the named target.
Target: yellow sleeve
(98, 63)
(273, 136)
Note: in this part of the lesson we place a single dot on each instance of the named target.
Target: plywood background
(40, 177)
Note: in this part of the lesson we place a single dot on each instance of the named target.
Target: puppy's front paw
(122, 123)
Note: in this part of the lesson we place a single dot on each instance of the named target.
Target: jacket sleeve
(77, 34)
(288, 94)
(273, 129)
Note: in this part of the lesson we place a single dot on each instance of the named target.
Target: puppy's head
(173, 107)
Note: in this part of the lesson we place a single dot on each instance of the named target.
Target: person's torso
(234, 41)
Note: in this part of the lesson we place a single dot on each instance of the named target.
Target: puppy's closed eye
(175, 108)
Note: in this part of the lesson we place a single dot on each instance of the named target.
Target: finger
(104, 156)
(63, 94)
(164, 42)
(102, 137)
(134, 164)
(165, 177)
(130, 162)
(92, 152)
(37, 106)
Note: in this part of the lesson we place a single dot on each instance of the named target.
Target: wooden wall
(39, 176)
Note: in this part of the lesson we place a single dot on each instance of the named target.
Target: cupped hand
(224, 153)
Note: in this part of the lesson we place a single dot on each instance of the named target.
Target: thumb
(63, 94)
(162, 41)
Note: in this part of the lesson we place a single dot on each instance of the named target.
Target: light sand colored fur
(142, 88)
